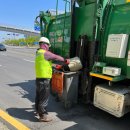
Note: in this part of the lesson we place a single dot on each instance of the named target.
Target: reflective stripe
(43, 67)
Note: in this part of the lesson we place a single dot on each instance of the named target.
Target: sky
(22, 13)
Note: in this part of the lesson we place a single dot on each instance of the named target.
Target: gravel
(3, 126)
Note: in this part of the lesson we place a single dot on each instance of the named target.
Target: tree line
(29, 41)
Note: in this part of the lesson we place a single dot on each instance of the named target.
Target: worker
(43, 68)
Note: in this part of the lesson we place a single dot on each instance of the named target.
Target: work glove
(58, 67)
(67, 61)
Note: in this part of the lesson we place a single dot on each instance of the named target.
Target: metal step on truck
(96, 31)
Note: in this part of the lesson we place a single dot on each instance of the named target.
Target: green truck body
(90, 24)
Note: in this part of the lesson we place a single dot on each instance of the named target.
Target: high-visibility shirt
(43, 67)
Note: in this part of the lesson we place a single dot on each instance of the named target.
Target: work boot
(45, 118)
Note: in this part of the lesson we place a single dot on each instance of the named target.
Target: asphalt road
(17, 94)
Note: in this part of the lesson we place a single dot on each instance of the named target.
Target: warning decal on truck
(127, 0)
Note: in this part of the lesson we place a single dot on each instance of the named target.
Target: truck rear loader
(96, 31)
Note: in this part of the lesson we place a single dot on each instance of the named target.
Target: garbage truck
(96, 31)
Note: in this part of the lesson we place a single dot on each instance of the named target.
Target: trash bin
(65, 86)
(70, 89)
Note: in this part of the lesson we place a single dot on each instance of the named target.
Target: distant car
(2, 47)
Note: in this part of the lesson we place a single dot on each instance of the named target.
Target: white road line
(28, 60)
